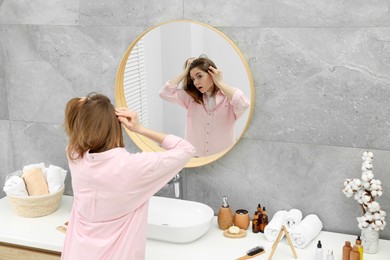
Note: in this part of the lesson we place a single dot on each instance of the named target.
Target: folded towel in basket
(271, 231)
(35, 182)
(292, 219)
(306, 231)
(55, 178)
(15, 186)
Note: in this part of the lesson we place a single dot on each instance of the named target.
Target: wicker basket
(36, 206)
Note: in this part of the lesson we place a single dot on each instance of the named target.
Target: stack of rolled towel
(35, 179)
(302, 231)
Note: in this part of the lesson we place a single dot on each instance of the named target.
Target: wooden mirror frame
(148, 145)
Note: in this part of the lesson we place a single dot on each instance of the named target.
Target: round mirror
(158, 55)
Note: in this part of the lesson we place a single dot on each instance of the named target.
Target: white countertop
(41, 233)
(214, 245)
(34, 232)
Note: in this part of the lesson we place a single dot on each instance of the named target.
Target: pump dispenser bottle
(225, 215)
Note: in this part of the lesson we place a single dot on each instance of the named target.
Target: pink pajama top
(209, 130)
(111, 194)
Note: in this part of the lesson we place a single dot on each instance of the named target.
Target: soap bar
(234, 230)
(35, 182)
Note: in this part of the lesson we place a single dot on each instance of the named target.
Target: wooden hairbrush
(256, 251)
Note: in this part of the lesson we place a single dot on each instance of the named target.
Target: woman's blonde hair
(91, 125)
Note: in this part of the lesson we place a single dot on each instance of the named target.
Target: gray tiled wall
(322, 80)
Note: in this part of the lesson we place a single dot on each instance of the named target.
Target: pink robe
(209, 130)
(111, 194)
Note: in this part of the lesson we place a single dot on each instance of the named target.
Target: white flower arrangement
(365, 190)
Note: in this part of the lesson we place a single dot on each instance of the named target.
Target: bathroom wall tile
(231, 13)
(285, 176)
(6, 156)
(39, 12)
(4, 115)
(309, 90)
(282, 13)
(45, 66)
(39, 142)
(146, 13)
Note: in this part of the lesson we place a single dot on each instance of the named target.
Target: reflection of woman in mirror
(212, 105)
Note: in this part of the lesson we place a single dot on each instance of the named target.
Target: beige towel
(35, 182)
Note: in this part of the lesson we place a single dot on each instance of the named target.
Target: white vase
(370, 240)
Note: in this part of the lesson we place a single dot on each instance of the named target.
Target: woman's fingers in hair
(125, 113)
(121, 111)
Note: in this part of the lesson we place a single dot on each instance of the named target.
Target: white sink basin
(177, 221)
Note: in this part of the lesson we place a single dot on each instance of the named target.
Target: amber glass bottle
(255, 223)
(258, 209)
(263, 220)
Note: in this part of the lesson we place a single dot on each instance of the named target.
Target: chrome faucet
(177, 186)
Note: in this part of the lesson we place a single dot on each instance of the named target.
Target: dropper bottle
(225, 215)
(319, 251)
(360, 247)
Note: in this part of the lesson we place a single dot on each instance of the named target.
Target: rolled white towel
(306, 231)
(271, 231)
(292, 219)
(55, 178)
(15, 186)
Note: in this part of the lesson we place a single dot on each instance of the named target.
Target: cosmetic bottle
(319, 251)
(255, 223)
(225, 215)
(354, 255)
(347, 248)
(330, 256)
(358, 243)
(258, 209)
(263, 220)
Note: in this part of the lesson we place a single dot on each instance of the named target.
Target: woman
(111, 186)
(212, 105)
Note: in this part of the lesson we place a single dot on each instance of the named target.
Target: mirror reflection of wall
(165, 50)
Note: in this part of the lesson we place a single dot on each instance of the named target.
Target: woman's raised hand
(129, 119)
(216, 74)
(188, 64)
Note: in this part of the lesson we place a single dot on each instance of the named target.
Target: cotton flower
(367, 165)
(367, 156)
(373, 206)
(364, 191)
